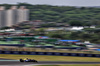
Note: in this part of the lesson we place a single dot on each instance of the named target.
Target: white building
(77, 28)
(13, 16)
(23, 14)
(2, 16)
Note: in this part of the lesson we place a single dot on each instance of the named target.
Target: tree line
(84, 16)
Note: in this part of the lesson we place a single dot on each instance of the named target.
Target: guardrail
(49, 53)
(9, 48)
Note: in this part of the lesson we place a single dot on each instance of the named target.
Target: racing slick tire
(35, 61)
(21, 60)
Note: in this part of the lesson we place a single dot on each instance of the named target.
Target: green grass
(49, 58)
(9, 42)
(73, 65)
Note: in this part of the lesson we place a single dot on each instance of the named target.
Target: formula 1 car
(28, 60)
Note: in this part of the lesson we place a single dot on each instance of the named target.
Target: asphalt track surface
(9, 62)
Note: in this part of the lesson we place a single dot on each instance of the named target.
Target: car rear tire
(35, 61)
(21, 60)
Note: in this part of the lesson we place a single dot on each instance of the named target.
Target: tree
(57, 36)
(41, 31)
(48, 25)
(82, 8)
(75, 23)
(5, 28)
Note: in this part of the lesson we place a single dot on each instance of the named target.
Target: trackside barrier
(97, 55)
(65, 54)
(32, 53)
(15, 52)
(49, 53)
(81, 55)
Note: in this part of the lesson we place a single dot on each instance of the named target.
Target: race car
(28, 60)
